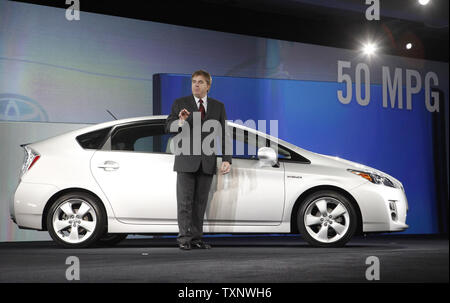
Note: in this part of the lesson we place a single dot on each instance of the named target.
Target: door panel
(142, 190)
(248, 195)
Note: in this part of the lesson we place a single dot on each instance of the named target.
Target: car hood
(350, 164)
(321, 159)
(358, 166)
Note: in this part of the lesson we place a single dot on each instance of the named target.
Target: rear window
(93, 140)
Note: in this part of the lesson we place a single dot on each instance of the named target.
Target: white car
(100, 183)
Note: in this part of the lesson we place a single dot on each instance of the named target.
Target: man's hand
(225, 168)
(184, 113)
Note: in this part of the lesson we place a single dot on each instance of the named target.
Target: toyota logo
(20, 108)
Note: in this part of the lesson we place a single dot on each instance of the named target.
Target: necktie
(202, 109)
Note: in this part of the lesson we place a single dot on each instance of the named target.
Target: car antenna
(111, 114)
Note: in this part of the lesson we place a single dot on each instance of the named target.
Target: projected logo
(20, 108)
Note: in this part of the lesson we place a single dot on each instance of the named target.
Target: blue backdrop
(396, 141)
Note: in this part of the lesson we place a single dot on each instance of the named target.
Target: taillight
(34, 161)
(31, 157)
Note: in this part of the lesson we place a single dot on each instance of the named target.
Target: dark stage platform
(232, 259)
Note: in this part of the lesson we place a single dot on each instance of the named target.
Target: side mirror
(267, 156)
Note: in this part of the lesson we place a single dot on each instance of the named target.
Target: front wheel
(327, 219)
(76, 220)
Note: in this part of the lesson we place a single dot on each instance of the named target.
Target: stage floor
(250, 259)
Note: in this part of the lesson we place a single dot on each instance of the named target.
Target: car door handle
(109, 165)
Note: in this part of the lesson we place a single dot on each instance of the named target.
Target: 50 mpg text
(392, 86)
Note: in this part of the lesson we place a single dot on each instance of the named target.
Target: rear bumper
(29, 202)
(383, 209)
(11, 207)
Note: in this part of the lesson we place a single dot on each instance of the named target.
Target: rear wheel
(76, 220)
(327, 219)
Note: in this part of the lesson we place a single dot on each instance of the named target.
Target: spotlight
(369, 49)
(409, 45)
(424, 2)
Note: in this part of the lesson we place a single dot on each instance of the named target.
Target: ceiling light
(369, 49)
(424, 2)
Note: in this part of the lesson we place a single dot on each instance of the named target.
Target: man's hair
(203, 73)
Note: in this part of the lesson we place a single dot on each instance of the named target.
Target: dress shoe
(200, 245)
(184, 246)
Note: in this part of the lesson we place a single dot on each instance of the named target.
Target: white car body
(139, 196)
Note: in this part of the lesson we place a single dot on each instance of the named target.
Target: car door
(250, 194)
(135, 171)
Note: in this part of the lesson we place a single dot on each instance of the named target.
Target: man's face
(199, 86)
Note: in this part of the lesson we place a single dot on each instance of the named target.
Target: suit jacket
(215, 110)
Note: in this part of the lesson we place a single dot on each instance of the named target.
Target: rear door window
(93, 140)
(145, 138)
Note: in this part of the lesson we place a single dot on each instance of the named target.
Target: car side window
(93, 140)
(283, 153)
(246, 145)
(141, 138)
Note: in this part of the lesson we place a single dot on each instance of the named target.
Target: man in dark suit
(195, 170)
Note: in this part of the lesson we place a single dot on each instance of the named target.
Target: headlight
(374, 178)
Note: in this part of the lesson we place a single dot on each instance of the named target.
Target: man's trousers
(192, 197)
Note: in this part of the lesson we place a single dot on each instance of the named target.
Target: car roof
(112, 123)
(164, 117)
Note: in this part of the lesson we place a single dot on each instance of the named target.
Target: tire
(110, 239)
(318, 228)
(70, 229)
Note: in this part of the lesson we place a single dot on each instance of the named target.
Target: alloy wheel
(74, 221)
(326, 220)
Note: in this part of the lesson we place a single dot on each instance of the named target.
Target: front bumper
(383, 208)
